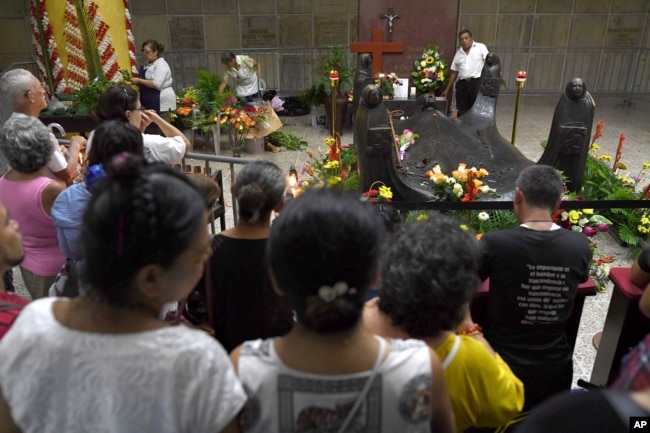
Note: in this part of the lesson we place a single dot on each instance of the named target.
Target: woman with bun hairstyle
(327, 373)
(244, 304)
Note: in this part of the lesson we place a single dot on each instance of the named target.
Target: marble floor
(536, 113)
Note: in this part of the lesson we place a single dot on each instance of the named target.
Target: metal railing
(285, 70)
(608, 71)
(228, 161)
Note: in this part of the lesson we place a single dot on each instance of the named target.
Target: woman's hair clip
(93, 175)
(328, 294)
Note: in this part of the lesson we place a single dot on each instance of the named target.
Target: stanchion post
(334, 83)
(521, 80)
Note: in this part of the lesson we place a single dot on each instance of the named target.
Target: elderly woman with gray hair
(244, 305)
(28, 194)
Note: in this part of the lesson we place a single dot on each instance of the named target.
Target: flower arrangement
(464, 184)
(581, 220)
(333, 169)
(258, 114)
(607, 181)
(237, 121)
(404, 141)
(383, 194)
(387, 82)
(187, 106)
(430, 70)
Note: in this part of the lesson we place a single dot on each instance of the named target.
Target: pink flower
(603, 227)
(589, 231)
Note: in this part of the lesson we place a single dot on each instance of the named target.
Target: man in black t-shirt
(534, 272)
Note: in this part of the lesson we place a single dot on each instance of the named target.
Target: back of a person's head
(15, 83)
(541, 186)
(227, 57)
(115, 101)
(112, 137)
(139, 214)
(429, 273)
(323, 252)
(259, 187)
(209, 188)
(26, 144)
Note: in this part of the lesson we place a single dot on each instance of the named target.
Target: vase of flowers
(238, 124)
(387, 82)
(430, 71)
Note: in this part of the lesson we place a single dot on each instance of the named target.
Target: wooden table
(625, 326)
(588, 288)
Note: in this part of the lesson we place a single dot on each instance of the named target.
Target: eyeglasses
(126, 99)
(147, 51)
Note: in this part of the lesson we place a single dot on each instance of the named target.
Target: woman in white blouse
(155, 80)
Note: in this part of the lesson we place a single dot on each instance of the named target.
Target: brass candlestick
(334, 82)
(521, 80)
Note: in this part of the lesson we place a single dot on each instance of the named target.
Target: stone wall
(552, 39)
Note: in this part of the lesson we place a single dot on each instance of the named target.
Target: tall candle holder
(334, 83)
(521, 80)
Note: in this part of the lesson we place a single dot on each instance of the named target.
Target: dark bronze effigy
(472, 139)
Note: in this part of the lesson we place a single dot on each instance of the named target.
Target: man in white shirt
(466, 66)
(28, 98)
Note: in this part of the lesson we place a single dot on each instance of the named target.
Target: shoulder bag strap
(452, 353)
(366, 388)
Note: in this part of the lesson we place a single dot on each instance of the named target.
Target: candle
(521, 75)
(412, 92)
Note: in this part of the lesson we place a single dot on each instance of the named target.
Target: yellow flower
(646, 165)
(333, 181)
(430, 60)
(627, 181)
(621, 165)
(464, 227)
(328, 140)
(574, 216)
(605, 157)
(441, 75)
(331, 164)
(594, 147)
(643, 229)
(438, 178)
(422, 217)
(645, 220)
(385, 192)
(588, 211)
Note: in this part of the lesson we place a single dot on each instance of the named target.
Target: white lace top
(56, 379)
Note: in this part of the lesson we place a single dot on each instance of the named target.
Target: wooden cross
(377, 47)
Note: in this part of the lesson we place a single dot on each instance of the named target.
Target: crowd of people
(300, 341)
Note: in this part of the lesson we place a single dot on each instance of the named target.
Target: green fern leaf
(90, 49)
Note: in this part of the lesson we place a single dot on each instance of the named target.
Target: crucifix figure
(390, 16)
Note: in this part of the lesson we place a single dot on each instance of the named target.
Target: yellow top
(484, 392)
